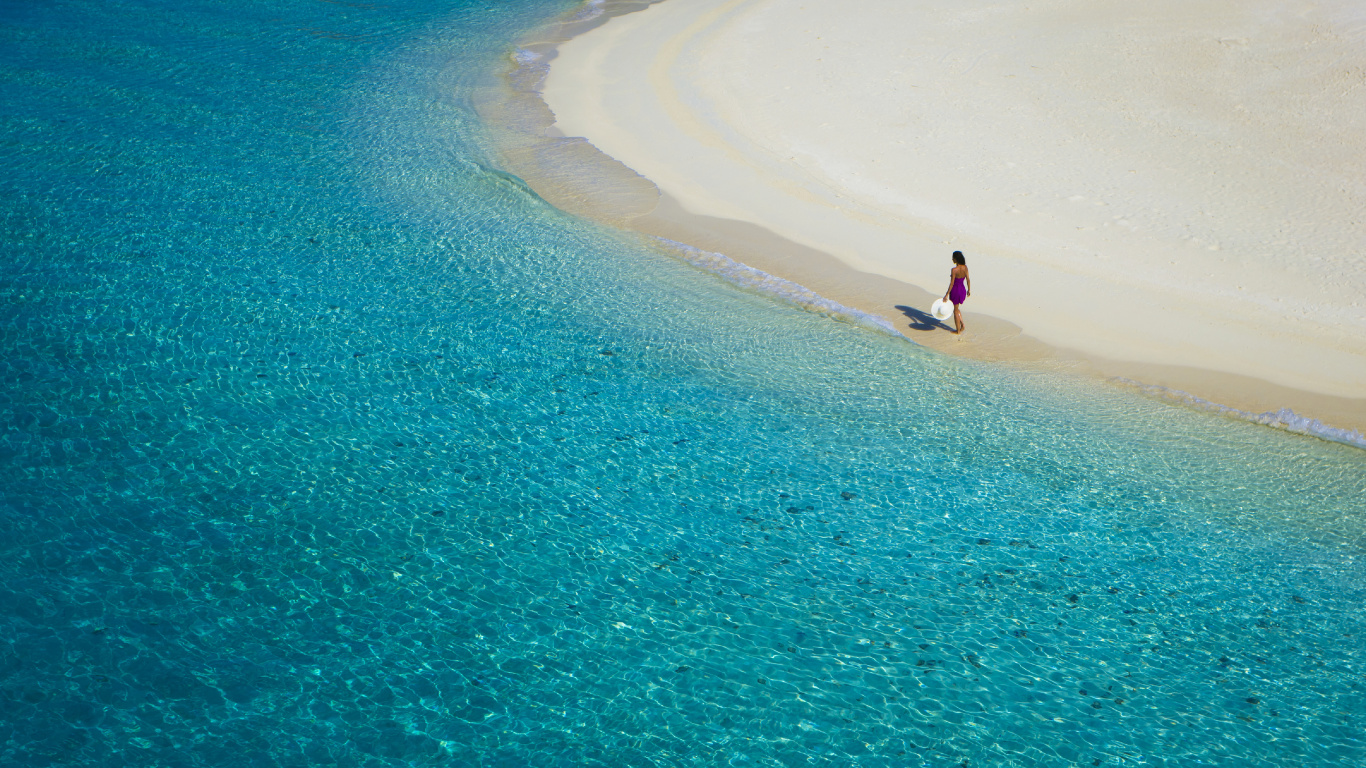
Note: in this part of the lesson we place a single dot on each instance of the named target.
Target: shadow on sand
(922, 321)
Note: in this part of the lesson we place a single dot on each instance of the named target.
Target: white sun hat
(942, 310)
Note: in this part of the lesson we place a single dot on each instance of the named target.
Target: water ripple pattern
(326, 442)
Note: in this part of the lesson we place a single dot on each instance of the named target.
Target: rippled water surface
(326, 442)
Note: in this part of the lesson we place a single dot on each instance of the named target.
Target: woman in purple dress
(960, 288)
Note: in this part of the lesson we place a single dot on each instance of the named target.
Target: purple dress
(958, 294)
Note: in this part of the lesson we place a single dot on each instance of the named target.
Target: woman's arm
(950, 288)
(967, 280)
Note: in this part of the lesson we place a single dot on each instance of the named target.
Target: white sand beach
(1174, 191)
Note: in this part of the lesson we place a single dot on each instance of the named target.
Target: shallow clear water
(326, 442)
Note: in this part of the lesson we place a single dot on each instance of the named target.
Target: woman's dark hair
(958, 258)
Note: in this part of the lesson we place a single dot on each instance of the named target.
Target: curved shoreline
(575, 176)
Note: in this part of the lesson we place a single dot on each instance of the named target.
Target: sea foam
(590, 10)
(1283, 419)
(526, 58)
(753, 279)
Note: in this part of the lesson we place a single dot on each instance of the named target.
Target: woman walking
(960, 288)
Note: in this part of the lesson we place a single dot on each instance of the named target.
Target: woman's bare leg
(958, 318)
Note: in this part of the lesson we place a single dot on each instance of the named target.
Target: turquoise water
(328, 443)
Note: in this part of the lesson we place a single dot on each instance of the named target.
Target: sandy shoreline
(1239, 356)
